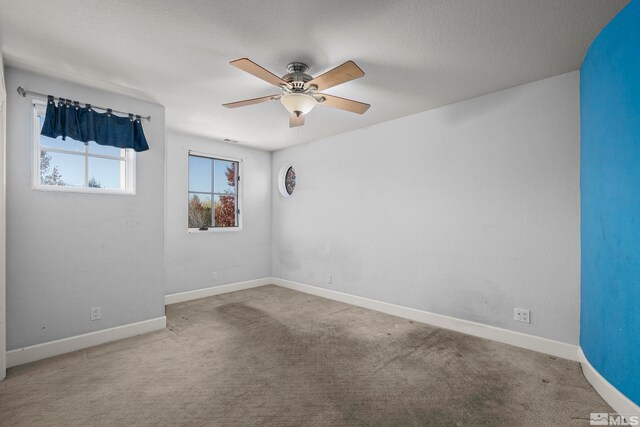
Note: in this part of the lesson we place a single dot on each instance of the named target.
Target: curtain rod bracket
(22, 92)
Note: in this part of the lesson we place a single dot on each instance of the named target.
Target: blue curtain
(68, 119)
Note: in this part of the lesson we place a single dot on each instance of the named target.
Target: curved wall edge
(610, 207)
(618, 401)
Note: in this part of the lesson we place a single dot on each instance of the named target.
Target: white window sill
(214, 230)
(70, 189)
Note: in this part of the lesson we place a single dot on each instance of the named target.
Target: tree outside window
(213, 193)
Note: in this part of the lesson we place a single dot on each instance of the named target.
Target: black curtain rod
(24, 93)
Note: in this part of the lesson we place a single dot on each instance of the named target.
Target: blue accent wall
(610, 202)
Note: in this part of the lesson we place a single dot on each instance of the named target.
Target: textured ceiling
(417, 55)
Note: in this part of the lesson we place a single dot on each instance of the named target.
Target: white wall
(68, 252)
(468, 210)
(236, 256)
(3, 212)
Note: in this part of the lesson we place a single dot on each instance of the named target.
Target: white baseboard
(54, 348)
(215, 290)
(518, 339)
(618, 401)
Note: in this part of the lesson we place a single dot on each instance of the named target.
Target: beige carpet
(272, 356)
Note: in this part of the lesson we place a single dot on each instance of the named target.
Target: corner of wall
(3, 234)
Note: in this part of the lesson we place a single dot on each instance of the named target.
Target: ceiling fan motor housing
(297, 77)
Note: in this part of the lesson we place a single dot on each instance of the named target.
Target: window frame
(129, 159)
(239, 192)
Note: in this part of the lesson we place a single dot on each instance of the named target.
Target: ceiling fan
(300, 91)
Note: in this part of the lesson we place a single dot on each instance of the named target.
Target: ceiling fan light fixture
(298, 103)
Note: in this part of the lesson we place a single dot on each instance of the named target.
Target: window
(75, 166)
(213, 201)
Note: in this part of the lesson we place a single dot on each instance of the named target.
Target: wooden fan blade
(251, 101)
(245, 64)
(343, 103)
(341, 74)
(295, 121)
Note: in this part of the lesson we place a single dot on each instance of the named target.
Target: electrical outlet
(521, 315)
(214, 275)
(95, 313)
(328, 278)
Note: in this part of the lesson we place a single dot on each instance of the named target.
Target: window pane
(199, 210)
(224, 211)
(69, 144)
(61, 169)
(107, 173)
(199, 174)
(224, 180)
(95, 148)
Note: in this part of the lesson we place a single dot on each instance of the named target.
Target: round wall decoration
(287, 180)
